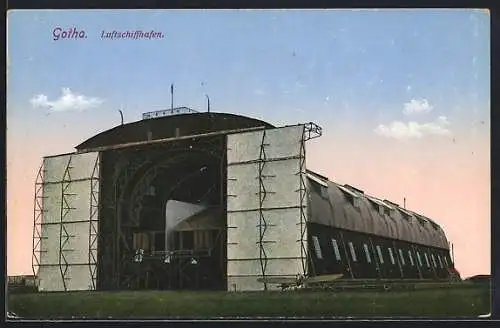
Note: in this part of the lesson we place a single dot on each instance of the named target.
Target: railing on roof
(168, 112)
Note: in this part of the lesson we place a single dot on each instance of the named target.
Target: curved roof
(171, 126)
(350, 209)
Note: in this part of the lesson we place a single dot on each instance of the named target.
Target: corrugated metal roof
(365, 216)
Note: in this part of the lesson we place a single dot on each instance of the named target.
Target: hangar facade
(190, 200)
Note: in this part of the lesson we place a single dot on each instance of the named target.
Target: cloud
(66, 102)
(401, 130)
(416, 106)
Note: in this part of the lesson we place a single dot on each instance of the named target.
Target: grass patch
(459, 302)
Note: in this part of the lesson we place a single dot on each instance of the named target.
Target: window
(440, 262)
(379, 205)
(324, 192)
(367, 252)
(351, 199)
(402, 257)
(387, 211)
(317, 248)
(336, 249)
(433, 261)
(446, 260)
(391, 256)
(379, 251)
(419, 259)
(350, 196)
(353, 252)
(427, 260)
(411, 258)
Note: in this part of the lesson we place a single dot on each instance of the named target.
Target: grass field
(456, 302)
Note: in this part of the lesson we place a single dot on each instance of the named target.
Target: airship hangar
(193, 200)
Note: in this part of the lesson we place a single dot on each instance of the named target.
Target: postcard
(248, 164)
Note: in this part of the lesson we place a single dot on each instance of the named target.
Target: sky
(403, 97)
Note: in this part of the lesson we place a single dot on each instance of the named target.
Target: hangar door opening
(163, 222)
(66, 222)
(266, 205)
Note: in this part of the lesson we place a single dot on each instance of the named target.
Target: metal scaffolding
(262, 197)
(94, 220)
(64, 236)
(132, 171)
(310, 131)
(303, 203)
(37, 222)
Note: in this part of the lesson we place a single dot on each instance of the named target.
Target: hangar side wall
(330, 206)
(265, 206)
(67, 231)
(374, 256)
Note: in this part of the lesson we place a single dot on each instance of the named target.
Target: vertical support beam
(119, 239)
(434, 269)
(63, 233)
(303, 204)
(346, 254)
(37, 223)
(262, 219)
(417, 262)
(93, 217)
(375, 258)
(396, 253)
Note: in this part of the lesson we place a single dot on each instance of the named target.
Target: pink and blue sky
(403, 97)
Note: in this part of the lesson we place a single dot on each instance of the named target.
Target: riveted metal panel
(67, 248)
(266, 205)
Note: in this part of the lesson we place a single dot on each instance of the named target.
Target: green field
(459, 301)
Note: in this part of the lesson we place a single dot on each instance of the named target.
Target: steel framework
(262, 197)
(310, 131)
(132, 169)
(64, 221)
(37, 222)
(346, 254)
(374, 251)
(418, 265)
(398, 259)
(64, 236)
(375, 257)
(94, 220)
(303, 201)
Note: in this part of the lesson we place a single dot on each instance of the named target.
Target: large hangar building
(189, 200)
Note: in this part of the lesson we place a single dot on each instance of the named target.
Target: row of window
(443, 261)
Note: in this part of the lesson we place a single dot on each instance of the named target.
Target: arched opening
(171, 215)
